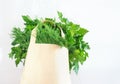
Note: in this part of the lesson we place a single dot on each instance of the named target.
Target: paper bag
(45, 64)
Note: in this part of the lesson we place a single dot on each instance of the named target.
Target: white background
(100, 17)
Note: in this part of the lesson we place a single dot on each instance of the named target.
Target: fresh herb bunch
(51, 31)
(21, 40)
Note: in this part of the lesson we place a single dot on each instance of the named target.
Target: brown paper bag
(45, 64)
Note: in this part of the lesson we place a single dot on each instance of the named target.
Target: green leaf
(60, 14)
(17, 61)
(76, 67)
(26, 18)
(82, 31)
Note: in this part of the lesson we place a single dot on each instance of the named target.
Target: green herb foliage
(50, 31)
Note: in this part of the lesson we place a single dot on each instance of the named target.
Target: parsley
(50, 31)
